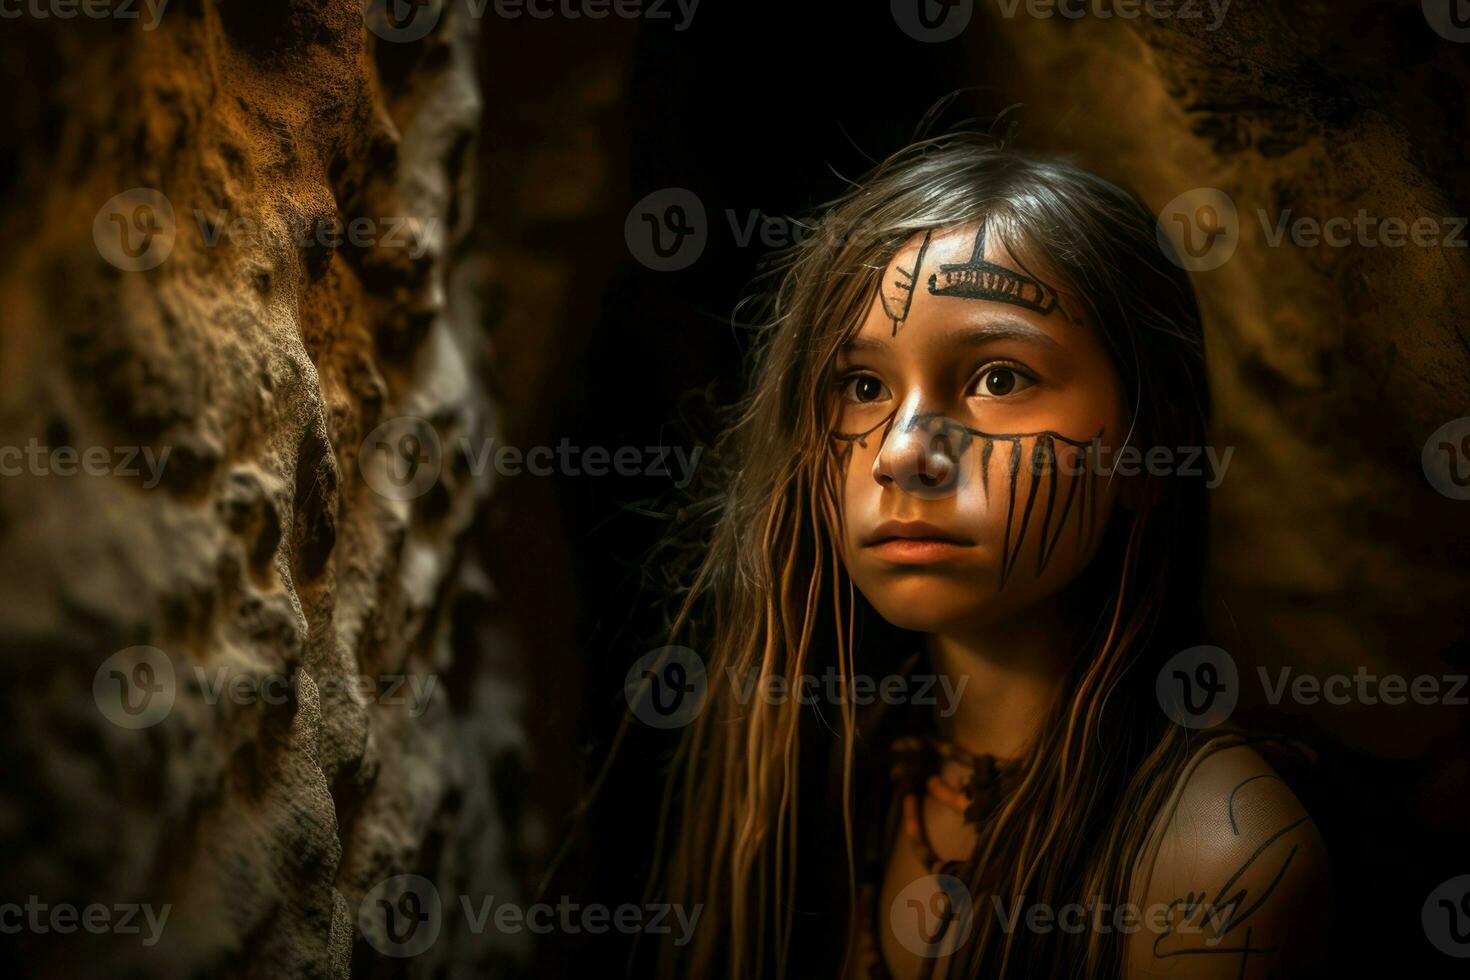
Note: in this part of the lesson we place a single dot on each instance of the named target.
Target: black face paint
(954, 441)
(979, 279)
(898, 297)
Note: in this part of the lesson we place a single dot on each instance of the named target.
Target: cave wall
(318, 695)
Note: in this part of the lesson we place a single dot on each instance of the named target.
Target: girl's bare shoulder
(1240, 883)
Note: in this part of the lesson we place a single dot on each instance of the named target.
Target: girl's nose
(923, 455)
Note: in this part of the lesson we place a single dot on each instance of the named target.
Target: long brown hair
(769, 593)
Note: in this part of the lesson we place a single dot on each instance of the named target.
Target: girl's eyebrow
(1006, 328)
(970, 335)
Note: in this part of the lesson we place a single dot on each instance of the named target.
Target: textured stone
(259, 362)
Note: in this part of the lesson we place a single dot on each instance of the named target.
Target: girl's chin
(933, 607)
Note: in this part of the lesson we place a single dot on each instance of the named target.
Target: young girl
(924, 493)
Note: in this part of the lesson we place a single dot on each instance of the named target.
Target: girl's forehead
(967, 271)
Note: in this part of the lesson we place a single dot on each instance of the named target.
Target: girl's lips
(916, 530)
(917, 551)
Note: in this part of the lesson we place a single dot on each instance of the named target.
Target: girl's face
(973, 402)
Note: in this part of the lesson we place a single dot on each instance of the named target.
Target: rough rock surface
(366, 716)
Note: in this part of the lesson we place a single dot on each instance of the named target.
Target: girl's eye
(999, 381)
(864, 389)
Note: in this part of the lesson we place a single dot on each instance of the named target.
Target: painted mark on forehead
(979, 279)
(898, 295)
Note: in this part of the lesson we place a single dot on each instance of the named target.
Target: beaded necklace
(914, 768)
(914, 763)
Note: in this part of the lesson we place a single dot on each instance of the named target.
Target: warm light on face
(967, 405)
